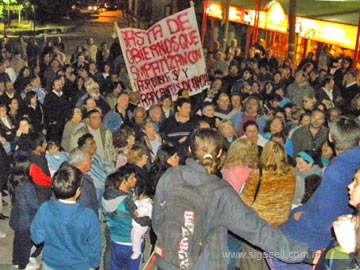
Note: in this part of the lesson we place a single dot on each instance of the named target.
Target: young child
(144, 208)
(55, 157)
(70, 232)
(25, 204)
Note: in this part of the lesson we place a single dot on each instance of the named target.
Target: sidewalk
(6, 243)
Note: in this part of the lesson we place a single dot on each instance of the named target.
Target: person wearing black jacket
(56, 108)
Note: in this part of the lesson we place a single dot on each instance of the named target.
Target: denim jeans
(120, 258)
(276, 264)
(235, 246)
(21, 248)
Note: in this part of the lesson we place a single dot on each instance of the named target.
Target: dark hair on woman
(19, 174)
(79, 78)
(250, 123)
(160, 165)
(115, 179)
(115, 84)
(21, 72)
(66, 181)
(28, 96)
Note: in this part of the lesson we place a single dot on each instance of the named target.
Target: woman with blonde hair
(139, 157)
(224, 211)
(270, 192)
(241, 159)
(309, 103)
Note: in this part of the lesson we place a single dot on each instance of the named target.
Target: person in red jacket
(39, 170)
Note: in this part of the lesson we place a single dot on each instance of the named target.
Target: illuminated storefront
(311, 34)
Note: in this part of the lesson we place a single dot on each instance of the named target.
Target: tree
(50, 10)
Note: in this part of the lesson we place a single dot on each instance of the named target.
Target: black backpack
(182, 230)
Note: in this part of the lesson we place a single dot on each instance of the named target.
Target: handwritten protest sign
(165, 58)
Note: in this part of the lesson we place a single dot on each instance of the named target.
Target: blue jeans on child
(120, 257)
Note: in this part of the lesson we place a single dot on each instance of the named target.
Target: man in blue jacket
(311, 223)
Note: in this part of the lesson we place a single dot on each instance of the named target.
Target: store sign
(274, 19)
(235, 14)
(327, 32)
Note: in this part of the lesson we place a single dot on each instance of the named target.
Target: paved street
(6, 243)
(100, 27)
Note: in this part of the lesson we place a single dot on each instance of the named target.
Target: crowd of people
(77, 149)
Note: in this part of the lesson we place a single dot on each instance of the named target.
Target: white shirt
(329, 93)
(11, 72)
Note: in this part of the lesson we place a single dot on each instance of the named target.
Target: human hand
(18, 132)
(3, 140)
(344, 228)
(298, 215)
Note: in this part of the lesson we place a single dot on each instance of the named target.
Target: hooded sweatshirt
(115, 204)
(70, 233)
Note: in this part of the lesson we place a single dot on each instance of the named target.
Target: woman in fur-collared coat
(274, 197)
